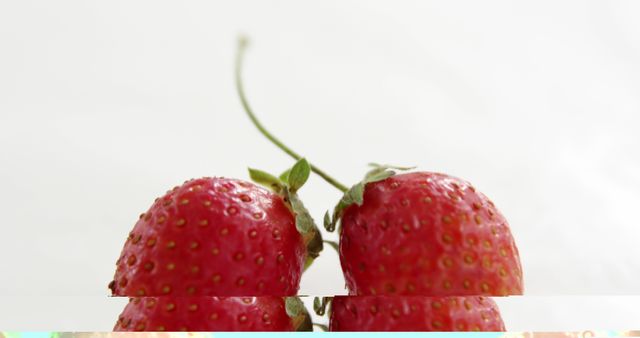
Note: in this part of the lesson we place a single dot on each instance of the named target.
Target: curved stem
(242, 44)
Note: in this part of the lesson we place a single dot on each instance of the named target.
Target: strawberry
(424, 233)
(213, 314)
(420, 233)
(220, 237)
(413, 313)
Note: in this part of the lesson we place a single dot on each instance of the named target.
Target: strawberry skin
(205, 314)
(414, 313)
(429, 234)
(212, 237)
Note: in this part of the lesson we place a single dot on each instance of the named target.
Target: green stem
(242, 44)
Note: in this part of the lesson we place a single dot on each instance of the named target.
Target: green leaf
(299, 175)
(265, 179)
(315, 244)
(303, 323)
(284, 177)
(320, 305)
(306, 226)
(381, 171)
(355, 195)
(327, 219)
(331, 224)
(294, 306)
(375, 176)
(387, 166)
(298, 313)
(334, 245)
(304, 221)
(316, 304)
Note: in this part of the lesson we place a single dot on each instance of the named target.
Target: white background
(106, 105)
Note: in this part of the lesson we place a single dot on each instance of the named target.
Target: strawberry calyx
(298, 313)
(355, 194)
(351, 196)
(320, 305)
(287, 186)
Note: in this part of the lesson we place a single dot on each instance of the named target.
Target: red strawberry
(427, 234)
(420, 233)
(403, 313)
(216, 237)
(211, 314)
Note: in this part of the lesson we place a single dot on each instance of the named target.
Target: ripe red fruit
(405, 313)
(430, 234)
(213, 237)
(209, 314)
